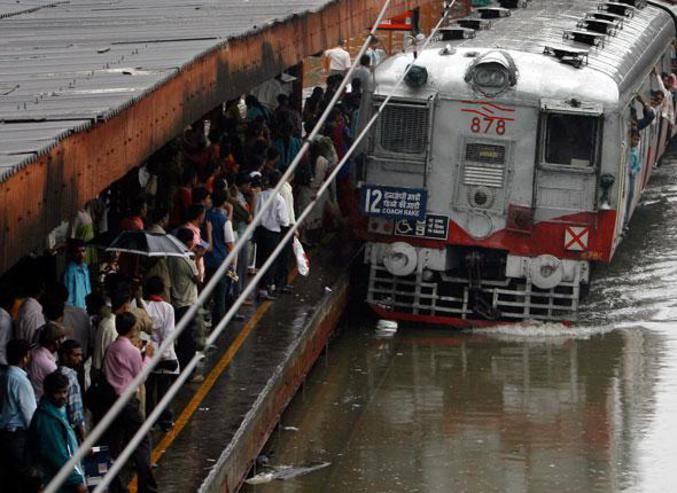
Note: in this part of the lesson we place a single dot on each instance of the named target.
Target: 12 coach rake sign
(394, 202)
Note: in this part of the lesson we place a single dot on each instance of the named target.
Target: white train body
(525, 179)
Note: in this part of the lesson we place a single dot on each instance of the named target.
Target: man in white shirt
(282, 271)
(30, 317)
(338, 59)
(106, 333)
(164, 374)
(267, 235)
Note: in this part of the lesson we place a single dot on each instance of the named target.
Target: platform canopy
(90, 88)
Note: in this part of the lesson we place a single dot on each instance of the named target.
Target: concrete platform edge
(237, 458)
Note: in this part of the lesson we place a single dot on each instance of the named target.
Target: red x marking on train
(576, 238)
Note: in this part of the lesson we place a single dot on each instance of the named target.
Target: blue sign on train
(394, 202)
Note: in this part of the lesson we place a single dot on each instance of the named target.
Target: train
(501, 170)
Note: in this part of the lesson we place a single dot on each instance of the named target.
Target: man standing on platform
(185, 280)
(43, 357)
(267, 235)
(123, 362)
(16, 411)
(51, 439)
(338, 59)
(70, 359)
(76, 276)
(223, 240)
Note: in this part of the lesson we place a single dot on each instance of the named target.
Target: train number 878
(485, 125)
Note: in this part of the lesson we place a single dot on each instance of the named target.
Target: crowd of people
(659, 114)
(74, 336)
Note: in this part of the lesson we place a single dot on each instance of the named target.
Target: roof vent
(569, 56)
(617, 8)
(455, 33)
(512, 4)
(638, 4)
(474, 23)
(493, 12)
(585, 37)
(618, 20)
(598, 26)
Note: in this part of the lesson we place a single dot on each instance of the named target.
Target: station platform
(250, 376)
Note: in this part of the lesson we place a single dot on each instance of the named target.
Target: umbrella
(148, 244)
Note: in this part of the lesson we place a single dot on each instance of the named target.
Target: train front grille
(515, 299)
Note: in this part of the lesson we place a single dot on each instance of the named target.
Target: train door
(569, 153)
(623, 189)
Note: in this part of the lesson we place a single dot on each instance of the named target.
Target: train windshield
(570, 139)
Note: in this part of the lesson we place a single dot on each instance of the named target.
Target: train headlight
(492, 73)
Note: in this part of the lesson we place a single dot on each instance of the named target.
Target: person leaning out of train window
(635, 163)
(648, 114)
(663, 97)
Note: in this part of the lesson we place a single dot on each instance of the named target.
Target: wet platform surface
(247, 356)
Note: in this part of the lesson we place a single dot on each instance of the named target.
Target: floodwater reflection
(532, 407)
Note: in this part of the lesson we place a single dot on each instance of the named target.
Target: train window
(404, 129)
(570, 139)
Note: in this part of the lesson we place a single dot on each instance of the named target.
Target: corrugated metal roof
(65, 64)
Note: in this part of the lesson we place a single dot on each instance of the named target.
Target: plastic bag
(302, 262)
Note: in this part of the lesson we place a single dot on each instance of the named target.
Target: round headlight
(491, 75)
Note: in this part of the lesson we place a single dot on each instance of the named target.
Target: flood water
(533, 407)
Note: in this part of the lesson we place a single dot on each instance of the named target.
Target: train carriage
(501, 169)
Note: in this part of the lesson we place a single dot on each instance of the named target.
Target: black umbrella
(148, 244)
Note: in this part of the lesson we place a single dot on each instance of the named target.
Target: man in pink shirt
(43, 361)
(123, 362)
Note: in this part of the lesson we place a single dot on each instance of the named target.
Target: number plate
(394, 202)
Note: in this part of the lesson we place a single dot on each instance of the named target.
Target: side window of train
(570, 139)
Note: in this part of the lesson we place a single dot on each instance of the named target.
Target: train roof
(613, 71)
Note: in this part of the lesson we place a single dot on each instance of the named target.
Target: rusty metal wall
(56, 185)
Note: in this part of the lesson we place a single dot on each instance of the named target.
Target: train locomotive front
(499, 171)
